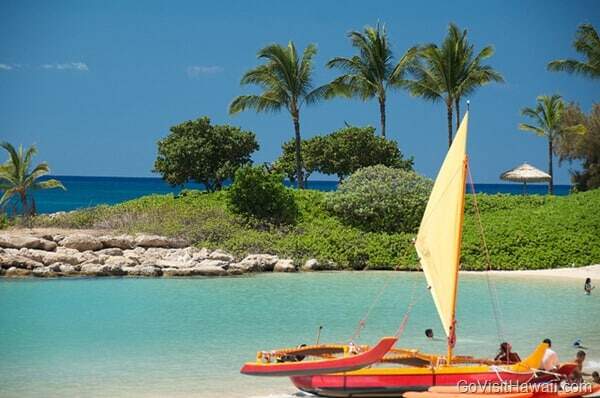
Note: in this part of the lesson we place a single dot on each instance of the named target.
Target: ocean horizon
(89, 191)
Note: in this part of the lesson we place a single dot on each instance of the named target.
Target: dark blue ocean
(91, 191)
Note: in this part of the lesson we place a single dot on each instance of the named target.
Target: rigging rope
(491, 285)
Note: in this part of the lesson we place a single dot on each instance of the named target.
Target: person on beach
(596, 377)
(506, 355)
(429, 333)
(577, 375)
(550, 360)
(588, 286)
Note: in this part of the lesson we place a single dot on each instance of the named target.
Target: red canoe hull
(390, 385)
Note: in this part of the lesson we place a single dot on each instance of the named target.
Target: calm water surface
(188, 337)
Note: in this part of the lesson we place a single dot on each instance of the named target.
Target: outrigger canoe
(345, 363)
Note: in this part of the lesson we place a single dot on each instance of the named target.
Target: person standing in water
(588, 286)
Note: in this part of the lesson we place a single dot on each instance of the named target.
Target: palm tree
(587, 43)
(451, 71)
(473, 74)
(18, 178)
(286, 80)
(371, 73)
(547, 116)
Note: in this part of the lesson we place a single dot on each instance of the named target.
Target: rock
(256, 263)
(143, 270)
(178, 272)
(14, 272)
(121, 241)
(26, 241)
(159, 241)
(112, 251)
(213, 263)
(95, 269)
(116, 270)
(68, 269)
(119, 261)
(200, 254)
(221, 255)
(81, 242)
(209, 270)
(315, 265)
(48, 258)
(9, 260)
(44, 272)
(284, 265)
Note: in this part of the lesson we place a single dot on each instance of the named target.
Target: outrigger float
(349, 370)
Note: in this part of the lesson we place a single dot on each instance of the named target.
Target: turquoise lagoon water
(188, 337)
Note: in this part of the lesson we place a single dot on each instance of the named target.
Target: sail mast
(452, 336)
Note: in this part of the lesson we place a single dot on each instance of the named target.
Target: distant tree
(198, 151)
(583, 147)
(286, 81)
(451, 71)
(18, 177)
(586, 43)
(548, 119)
(372, 72)
(312, 155)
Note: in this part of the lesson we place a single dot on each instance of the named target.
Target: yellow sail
(439, 238)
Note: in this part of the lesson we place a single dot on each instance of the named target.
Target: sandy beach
(591, 271)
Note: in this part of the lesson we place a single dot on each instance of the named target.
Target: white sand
(591, 271)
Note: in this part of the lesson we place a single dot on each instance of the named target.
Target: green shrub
(381, 199)
(256, 193)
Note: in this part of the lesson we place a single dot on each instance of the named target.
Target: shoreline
(59, 252)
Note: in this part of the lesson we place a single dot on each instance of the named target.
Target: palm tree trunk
(457, 103)
(449, 109)
(23, 197)
(551, 182)
(382, 115)
(299, 171)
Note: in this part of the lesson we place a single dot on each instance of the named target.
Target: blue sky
(95, 84)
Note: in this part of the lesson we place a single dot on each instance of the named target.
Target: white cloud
(79, 66)
(6, 67)
(196, 71)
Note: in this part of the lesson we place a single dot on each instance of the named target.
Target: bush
(381, 199)
(256, 193)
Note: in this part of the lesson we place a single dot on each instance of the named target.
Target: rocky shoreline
(39, 253)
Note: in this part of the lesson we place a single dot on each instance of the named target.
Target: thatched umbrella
(525, 173)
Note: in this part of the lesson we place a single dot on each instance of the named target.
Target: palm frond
(531, 128)
(259, 103)
(49, 184)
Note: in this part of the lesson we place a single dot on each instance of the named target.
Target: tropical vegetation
(258, 195)
(19, 178)
(286, 81)
(380, 198)
(372, 72)
(522, 232)
(587, 43)
(451, 71)
(198, 151)
(343, 152)
(548, 122)
(582, 147)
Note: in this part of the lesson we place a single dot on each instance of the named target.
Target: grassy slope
(522, 232)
